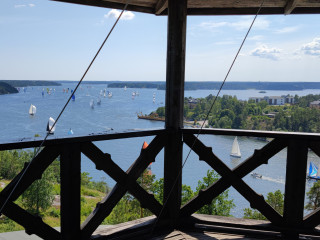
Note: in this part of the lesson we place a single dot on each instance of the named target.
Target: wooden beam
(105, 207)
(34, 172)
(31, 223)
(161, 6)
(256, 200)
(70, 172)
(176, 52)
(291, 4)
(108, 4)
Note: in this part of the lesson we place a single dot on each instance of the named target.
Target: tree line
(229, 112)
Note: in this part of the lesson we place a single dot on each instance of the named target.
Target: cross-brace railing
(291, 223)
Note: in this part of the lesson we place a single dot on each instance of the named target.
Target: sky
(47, 40)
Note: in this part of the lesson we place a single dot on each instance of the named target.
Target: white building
(274, 100)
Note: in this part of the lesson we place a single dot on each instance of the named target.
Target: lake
(119, 113)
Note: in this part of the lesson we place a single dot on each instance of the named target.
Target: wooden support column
(177, 20)
(297, 157)
(70, 168)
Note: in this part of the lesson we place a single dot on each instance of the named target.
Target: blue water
(119, 113)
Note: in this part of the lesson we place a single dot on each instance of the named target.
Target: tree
(313, 197)
(40, 194)
(220, 205)
(276, 200)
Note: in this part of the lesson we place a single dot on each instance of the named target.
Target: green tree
(220, 205)
(276, 200)
(40, 194)
(313, 197)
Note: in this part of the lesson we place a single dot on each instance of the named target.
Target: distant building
(315, 104)
(274, 100)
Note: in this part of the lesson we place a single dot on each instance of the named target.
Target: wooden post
(70, 171)
(177, 20)
(297, 157)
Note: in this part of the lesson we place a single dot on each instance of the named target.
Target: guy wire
(61, 112)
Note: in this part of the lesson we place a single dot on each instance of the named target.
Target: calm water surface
(119, 113)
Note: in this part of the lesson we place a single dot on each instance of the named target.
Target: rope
(207, 115)
(61, 112)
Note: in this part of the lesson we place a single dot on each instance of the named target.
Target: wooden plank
(70, 173)
(110, 4)
(32, 224)
(161, 6)
(232, 178)
(105, 207)
(104, 162)
(176, 51)
(34, 172)
(297, 158)
(291, 4)
(256, 200)
(254, 133)
(91, 138)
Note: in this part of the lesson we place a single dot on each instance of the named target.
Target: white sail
(92, 103)
(50, 127)
(32, 110)
(235, 151)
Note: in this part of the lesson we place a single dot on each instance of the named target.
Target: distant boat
(109, 94)
(235, 151)
(125, 88)
(50, 127)
(92, 104)
(99, 101)
(262, 91)
(73, 97)
(314, 172)
(256, 175)
(70, 132)
(32, 110)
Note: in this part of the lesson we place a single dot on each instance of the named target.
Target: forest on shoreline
(231, 113)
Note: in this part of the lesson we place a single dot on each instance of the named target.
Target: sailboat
(313, 172)
(235, 151)
(92, 103)
(50, 127)
(32, 110)
(99, 101)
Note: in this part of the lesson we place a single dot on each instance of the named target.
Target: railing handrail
(78, 139)
(152, 132)
(255, 133)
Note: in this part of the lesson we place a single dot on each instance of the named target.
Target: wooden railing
(290, 224)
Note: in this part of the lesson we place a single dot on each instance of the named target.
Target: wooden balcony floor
(138, 230)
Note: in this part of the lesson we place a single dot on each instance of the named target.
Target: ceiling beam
(107, 4)
(161, 6)
(291, 4)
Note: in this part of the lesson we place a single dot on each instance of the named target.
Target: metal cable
(61, 112)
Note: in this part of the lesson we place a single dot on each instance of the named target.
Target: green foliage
(40, 194)
(220, 205)
(229, 112)
(313, 197)
(12, 162)
(276, 200)
(86, 181)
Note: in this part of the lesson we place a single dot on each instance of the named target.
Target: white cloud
(287, 30)
(114, 13)
(312, 48)
(24, 5)
(243, 24)
(264, 52)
